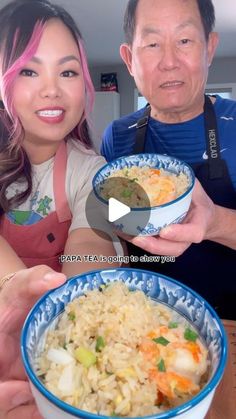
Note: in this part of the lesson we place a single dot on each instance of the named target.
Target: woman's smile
(51, 115)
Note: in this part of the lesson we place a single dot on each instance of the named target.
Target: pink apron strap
(59, 183)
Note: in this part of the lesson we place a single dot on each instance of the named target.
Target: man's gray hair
(206, 9)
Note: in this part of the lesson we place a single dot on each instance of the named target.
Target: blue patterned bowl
(186, 302)
(147, 221)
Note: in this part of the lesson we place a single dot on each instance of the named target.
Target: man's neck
(175, 117)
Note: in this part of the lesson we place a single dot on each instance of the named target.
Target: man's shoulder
(119, 136)
(128, 121)
(226, 107)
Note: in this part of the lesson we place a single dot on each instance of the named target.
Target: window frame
(224, 87)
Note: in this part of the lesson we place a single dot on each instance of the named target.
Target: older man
(170, 46)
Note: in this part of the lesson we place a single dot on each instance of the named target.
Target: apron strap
(215, 163)
(59, 184)
(141, 131)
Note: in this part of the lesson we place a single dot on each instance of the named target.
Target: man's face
(169, 57)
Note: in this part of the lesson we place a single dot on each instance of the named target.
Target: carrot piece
(169, 382)
(155, 171)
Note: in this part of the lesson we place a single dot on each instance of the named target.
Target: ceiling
(100, 22)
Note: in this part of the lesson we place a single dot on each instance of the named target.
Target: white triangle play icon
(116, 209)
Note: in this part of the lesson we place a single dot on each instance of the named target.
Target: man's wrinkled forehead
(146, 14)
(145, 5)
(189, 23)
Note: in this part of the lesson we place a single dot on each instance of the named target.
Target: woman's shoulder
(79, 155)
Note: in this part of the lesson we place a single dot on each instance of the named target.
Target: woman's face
(49, 92)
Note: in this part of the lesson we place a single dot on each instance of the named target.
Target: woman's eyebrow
(68, 58)
(61, 61)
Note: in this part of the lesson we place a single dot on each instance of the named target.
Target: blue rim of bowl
(190, 188)
(172, 413)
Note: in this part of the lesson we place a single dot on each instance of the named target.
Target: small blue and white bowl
(147, 221)
(195, 309)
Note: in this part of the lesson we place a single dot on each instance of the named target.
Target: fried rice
(116, 352)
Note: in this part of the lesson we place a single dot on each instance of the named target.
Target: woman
(47, 161)
(46, 167)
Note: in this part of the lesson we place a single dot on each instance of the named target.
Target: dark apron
(208, 267)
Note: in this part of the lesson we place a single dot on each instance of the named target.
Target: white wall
(222, 70)
(126, 85)
(106, 109)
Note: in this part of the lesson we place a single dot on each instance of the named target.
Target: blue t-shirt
(202, 266)
(185, 140)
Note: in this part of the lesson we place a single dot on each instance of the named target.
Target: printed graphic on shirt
(205, 156)
(44, 205)
(23, 217)
(230, 118)
(40, 208)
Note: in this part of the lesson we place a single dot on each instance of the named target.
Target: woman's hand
(16, 299)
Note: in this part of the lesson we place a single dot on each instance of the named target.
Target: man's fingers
(14, 394)
(158, 246)
(123, 235)
(191, 230)
(180, 233)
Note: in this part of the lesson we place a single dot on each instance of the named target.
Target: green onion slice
(161, 366)
(100, 343)
(189, 334)
(173, 325)
(163, 341)
(71, 315)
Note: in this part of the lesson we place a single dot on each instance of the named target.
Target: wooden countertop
(224, 402)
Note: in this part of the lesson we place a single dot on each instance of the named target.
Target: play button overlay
(116, 209)
(117, 203)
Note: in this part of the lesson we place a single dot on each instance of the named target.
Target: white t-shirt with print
(82, 164)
